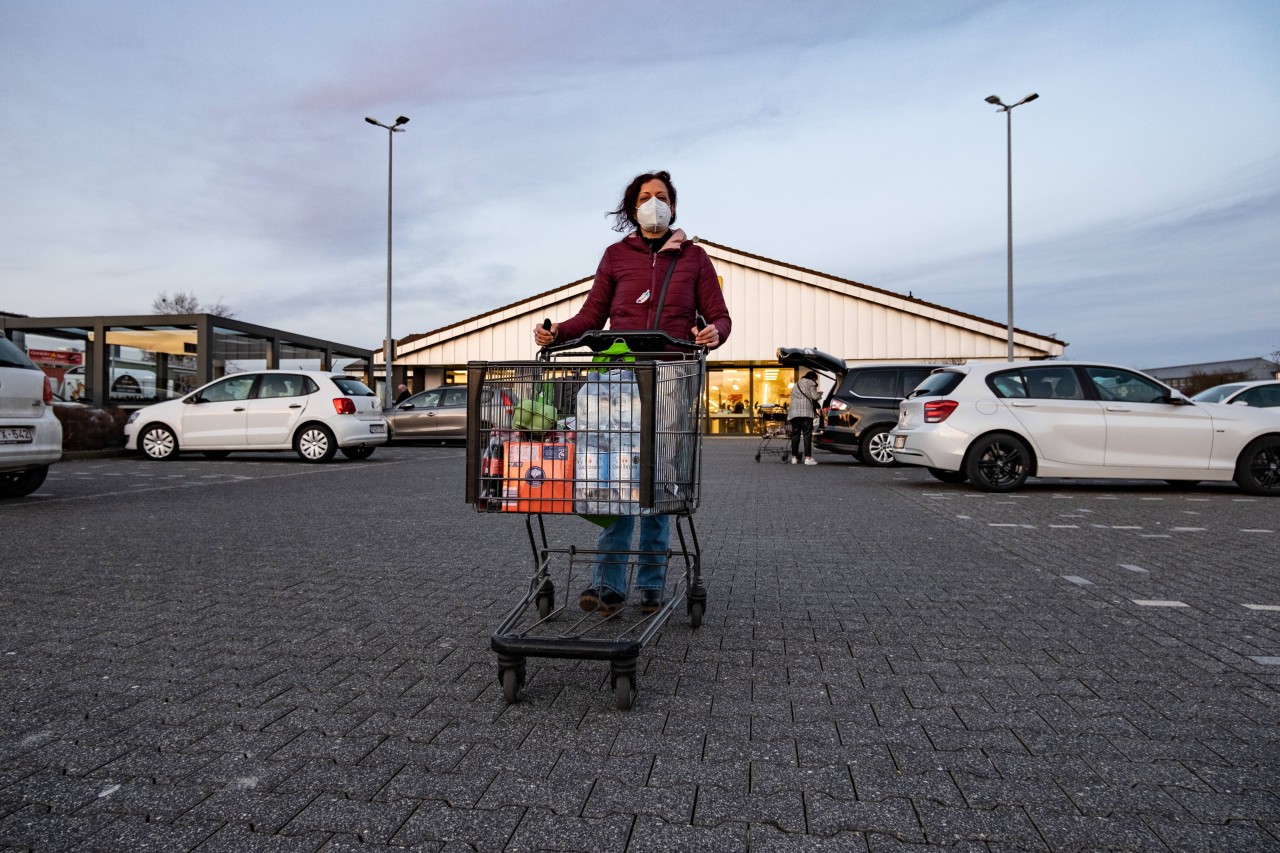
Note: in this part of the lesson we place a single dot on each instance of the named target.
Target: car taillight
(344, 405)
(48, 391)
(837, 406)
(937, 411)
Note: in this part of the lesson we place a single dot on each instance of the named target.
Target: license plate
(378, 428)
(15, 435)
(899, 442)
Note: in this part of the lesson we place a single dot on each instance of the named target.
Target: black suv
(863, 404)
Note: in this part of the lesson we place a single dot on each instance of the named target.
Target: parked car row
(992, 425)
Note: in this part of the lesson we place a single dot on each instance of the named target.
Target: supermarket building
(773, 304)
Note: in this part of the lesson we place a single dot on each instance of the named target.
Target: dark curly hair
(624, 215)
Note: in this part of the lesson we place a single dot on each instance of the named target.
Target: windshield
(938, 384)
(352, 387)
(11, 356)
(1217, 394)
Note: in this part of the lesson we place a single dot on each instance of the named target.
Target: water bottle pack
(607, 465)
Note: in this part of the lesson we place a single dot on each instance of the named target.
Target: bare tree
(189, 303)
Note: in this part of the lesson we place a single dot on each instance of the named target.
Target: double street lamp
(389, 344)
(1007, 109)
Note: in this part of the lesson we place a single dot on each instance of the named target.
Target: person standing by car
(628, 293)
(402, 393)
(804, 408)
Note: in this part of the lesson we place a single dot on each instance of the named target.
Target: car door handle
(295, 405)
(238, 409)
(1023, 404)
(1119, 409)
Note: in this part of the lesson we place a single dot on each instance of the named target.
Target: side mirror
(1177, 398)
(407, 406)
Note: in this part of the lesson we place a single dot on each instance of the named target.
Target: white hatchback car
(311, 412)
(996, 424)
(30, 433)
(1261, 394)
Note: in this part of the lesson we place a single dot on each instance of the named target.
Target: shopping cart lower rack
(604, 440)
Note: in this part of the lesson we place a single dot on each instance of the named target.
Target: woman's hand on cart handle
(546, 334)
(705, 334)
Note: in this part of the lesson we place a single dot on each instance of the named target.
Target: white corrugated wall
(772, 305)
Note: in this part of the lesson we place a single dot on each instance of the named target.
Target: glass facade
(741, 399)
(134, 361)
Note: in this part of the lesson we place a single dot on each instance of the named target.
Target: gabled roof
(838, 287)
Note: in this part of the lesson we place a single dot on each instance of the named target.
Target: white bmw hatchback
(313, 413)
(996, 424)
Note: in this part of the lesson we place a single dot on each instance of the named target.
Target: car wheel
(357, 452)
(876, 447)
(948, 476)
(314, 443)
(1258, 468)
(159, 443)
(998, 463)
(19, 484)
(216, 454)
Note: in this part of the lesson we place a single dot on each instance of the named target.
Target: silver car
(440, 414)
(996, 424)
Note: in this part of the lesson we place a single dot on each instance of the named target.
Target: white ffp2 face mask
(654, 215)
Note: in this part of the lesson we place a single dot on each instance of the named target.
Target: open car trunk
(817, 360)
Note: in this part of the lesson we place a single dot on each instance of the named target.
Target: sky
(220, 149)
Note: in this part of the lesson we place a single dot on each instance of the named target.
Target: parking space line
(1255, 530)
(1134, 568)
(1155, 602)
(1265, 660)
(1077, 580)
(1274, 607)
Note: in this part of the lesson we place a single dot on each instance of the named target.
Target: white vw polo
(313, 413)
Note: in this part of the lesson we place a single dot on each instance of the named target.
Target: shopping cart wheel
(624, 692)
(696, 604)
(757, 457)
(510, 686)
(545, 599)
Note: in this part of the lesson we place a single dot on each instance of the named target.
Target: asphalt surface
(258, 654)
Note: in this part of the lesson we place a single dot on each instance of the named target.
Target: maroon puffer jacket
(628, 281)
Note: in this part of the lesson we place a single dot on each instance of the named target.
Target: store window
(729, 403)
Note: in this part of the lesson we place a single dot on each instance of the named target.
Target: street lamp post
(1007, 109)
(388, 355)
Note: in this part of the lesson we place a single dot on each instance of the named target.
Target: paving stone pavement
(257, 654)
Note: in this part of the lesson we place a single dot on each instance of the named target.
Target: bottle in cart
(491, 464)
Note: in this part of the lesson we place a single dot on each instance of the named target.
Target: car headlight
(133, 416)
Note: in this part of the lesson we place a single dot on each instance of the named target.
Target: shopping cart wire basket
(588, 429)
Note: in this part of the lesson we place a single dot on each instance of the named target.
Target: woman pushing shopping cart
(654, 279)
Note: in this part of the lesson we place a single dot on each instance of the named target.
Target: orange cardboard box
(539, 477)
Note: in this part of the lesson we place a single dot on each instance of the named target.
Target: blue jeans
(610, 569)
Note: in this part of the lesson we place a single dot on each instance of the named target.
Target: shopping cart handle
(642, 341)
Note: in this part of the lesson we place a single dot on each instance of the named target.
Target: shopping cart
(775, 433)
(600, 434)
